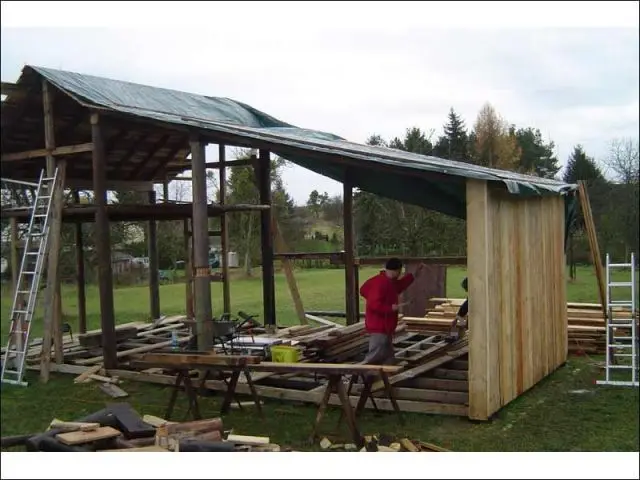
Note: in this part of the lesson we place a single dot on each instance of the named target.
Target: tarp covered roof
(427, 181)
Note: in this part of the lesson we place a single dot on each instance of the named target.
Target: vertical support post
(200, 231)
(188, 270)
(266, 237)
(53, 310)
(82, 299)
(154, 287)
(103, 246)
(224, 232)
(15, 265)
(350, 293)
(165, 191)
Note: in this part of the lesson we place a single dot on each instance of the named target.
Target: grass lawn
(551, 417)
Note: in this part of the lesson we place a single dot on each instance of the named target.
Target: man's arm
(403, 283)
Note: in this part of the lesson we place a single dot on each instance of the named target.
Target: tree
(415, 141)
(314, 203)
(454, 144)
(495, 143)
(623, 160)
(536, 156)
(582, 167)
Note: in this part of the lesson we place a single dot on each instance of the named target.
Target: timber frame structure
(104, 134)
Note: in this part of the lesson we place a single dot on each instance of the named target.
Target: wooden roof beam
(43, 152)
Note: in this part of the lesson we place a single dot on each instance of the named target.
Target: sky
(569, 69)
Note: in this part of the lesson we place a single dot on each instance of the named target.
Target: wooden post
(53, 316)
(15, 262)
(188, 270)
(165, 191)
(82, 299)
(350, 292)
(154, 287)
(268, 283)
(224, 233)
(200, 229)
(103, 247)
(287, 266)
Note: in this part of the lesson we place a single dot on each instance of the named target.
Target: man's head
(393, 268)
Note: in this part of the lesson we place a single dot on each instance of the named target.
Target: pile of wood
(119, 428)
(133, 338)
(334, 344)
(586, 325)
(383, 443)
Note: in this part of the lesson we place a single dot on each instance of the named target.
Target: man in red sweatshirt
(381, 293)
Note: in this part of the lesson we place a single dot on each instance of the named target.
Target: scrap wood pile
(119, 428)
(132, 338)
(586, 329)
(383, 443)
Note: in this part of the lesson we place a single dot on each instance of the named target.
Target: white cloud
(356, 69)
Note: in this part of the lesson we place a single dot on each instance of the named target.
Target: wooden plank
(85, 375)
(420, 369)
(248, 440)
(593, 243)
(301, 396)
(133, 351)
(78, 438)
(44, 152)
(483, 341)
(113, 390)
(182, 359)
(52, 319)
(287, 266)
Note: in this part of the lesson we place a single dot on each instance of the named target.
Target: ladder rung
(44, 196)
(620, 265)
(30, 273)
(622, 338)
(24, 291)
(620, 303)
(47, 179)
(621, 367)
(624, 355)
(621, 284)
(620, 346)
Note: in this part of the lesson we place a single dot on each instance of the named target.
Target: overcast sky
(357, 70)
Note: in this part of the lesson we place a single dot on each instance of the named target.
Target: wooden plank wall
(517, 294)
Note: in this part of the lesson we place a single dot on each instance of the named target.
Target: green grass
(547, 418)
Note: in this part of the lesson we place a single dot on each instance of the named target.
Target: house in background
(121, 262)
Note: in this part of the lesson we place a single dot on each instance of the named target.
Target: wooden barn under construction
(104, 134)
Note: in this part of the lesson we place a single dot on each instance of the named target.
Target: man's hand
(394, 307)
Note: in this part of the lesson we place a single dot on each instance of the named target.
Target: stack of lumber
(119, 428)
(586, 325)
(132, 338)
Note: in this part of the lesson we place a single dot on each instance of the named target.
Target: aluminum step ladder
(26, 293)
(622, 350)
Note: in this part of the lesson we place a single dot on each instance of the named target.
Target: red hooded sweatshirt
(381, 293)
